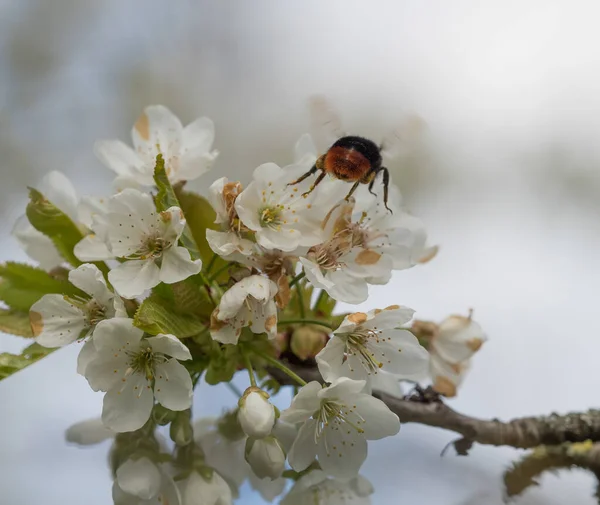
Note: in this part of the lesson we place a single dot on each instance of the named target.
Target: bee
(352, 158)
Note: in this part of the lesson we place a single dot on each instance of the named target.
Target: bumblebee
(352, 159)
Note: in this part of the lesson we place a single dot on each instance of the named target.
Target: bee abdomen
(346, 164)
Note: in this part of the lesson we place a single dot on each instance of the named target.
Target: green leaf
(166, 198)
(324, 305)
(15, 323)
(22, 285)
(154, 316)
(200, 215)
(55, 224)
(11, 363)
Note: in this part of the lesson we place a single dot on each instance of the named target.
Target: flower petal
(119, 157)
(133, 277)
(379, 421)
(342, 388)
(157, 126)
(177, 265)
(59, 190)
(393, 316)
(92, 248)
(139, 477)
(331, 360)
(304, 449)
(56, 322)
(88, 432)
(86, 355)
(169, 345)
(304, 404)
(342, 453)
(36, 245)
(113, 334)
(173, 386)
(90, 280)
(127, 406)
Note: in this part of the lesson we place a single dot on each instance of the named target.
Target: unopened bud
(181, 431)
(256, 414)
(162, 415)
(266, 457)
(424, 331)
(307, 342)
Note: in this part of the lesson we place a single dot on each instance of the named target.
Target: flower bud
(256, 415)
(307, 342)
(458, 339)
(181, 431)
(266, 457)
(162, 415)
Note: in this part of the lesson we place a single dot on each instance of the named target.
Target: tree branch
(523, 433)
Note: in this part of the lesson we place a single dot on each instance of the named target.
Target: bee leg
(312, 171)
(371, 186)
(352, 190)
(314, 184)
(386, 183)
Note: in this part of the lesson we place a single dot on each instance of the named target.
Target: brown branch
(523, 433)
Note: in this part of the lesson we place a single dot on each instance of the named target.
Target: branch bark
(522, 433)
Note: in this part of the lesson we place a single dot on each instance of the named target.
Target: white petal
(342, 388)
(233, 299)
(90, 280)
(86, 355)
(133, 277)
(256, 415)
(226, 334)
(393, 316)
(116, 333)
(379, 420)
(119, 157)
(403, 355)
(88, 432)
(199, 491)
(346, 288)
(305, 151)
(458, 339)
(172, 223)
(343, 453)
(56, 322)
(36, 245)
(447, 377)
(127, 406)
(106, 371)
(157, 126)
(92, 248)
(268, 489)
(267, 172)
(304, 404)
(139, 477)
(173, 386)
(304, 450)
(177, 265)
(169, 345)
(198, 135)
(58, 189)
(286, 239)
(227, 243)
(385, 382)
(315, 275)
(247, 206)
(331, 360)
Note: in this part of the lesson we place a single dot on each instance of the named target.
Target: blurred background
(506, 176)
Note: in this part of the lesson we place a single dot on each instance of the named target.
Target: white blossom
(147, 240)
(336, 422)
(281, 215)
(365, 344)
(256, 414)
(93, 212)
(88, 432)
(58, 320)
(134, 371)
(249, 302)
(266, 457)
(142, 482)
(206, 490)
(316, 488)
(186, 150)
(364, 244)
(453, 345)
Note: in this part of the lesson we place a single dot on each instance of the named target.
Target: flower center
(357, 345)
(337, 415)
(145, 360)
(152, 248)
(96, 312)
(270, 217)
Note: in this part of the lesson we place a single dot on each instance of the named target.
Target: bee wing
(325, 123)
(402, 140)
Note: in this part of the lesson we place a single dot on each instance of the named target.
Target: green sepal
(154, 316)
(11, 363)
(48, 219)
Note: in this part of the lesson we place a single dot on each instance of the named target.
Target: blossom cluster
(165, 288)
